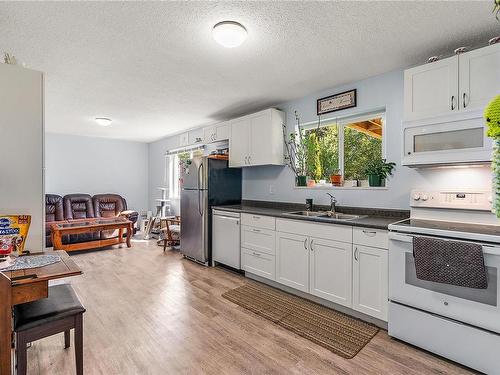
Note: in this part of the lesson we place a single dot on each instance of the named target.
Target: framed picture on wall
(337, 102)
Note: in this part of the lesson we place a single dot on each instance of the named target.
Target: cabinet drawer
(259, 221)
(332, 232)
(370, 237)
(258, 263)
(263, 240)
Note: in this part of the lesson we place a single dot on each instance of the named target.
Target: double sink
(334, 216)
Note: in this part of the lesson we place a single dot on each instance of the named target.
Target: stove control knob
(416, 196)
(425, 197)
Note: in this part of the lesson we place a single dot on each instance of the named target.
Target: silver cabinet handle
(256, 254)
(356, 254)
(453, 102)
(311, 245)
(305, 244)
(370, 233)
(256, 217)
(256, 230)
(464, 97)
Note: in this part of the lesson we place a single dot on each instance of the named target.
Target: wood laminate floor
(150, 312)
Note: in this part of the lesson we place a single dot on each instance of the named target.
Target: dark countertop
(372, 218)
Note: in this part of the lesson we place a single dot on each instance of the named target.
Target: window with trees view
(342, 147)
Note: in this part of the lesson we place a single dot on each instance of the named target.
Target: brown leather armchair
(79, 206)
(53, 212)
(112, 205)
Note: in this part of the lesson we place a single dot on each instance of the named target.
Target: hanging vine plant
(492, 117)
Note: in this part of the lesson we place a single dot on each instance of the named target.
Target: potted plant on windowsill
(335, 177)
(296, 153)
(378, 170)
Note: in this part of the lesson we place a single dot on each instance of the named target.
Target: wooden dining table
(23, 286)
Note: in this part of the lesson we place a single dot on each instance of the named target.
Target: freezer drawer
(226, 239)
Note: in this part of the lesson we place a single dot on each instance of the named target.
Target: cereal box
(13, 232)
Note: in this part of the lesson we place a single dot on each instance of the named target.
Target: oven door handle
(408, 238)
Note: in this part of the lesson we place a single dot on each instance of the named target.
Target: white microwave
(448, 140)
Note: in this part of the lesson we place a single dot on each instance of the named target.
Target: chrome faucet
(333, 202)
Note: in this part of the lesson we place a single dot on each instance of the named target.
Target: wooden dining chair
(171, 231)
(60, 312)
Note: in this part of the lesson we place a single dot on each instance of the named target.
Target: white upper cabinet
(195, 136)
(479, 77)
(331, 270)
(257, 139)
(239, 144)
(460, 83)
(431, 89)
(184, 139)
(218, 132)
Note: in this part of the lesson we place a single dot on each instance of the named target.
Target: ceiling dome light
(229, 34)
(103, 121)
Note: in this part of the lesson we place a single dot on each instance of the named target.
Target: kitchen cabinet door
(292, 260)
(184, 139)
(239, 144)
(331, 270)
(479, 78)
(209, 134)
(370, 281)
(222, 131)
(266, 138)
(431, 89)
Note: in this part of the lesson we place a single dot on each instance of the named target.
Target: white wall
(76, 164)
(275, 183)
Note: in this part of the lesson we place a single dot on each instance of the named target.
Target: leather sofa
(83, 206)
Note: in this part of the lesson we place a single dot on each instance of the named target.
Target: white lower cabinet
(370, 281)
(292, 260)
(331, 270)
(258, 263)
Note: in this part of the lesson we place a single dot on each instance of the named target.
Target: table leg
(57, 240)
(5, 326)
(120, 236)
(129, 234)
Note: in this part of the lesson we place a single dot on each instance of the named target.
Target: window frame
(171, 177)
(341, 122)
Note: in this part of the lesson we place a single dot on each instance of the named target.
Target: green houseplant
(377, 170)
(313, 161)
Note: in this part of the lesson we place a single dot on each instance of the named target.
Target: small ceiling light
(103, 121)
(229, 34)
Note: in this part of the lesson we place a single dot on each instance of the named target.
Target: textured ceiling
(155, 70)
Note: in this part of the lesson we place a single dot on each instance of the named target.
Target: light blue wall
(274, 183)
(76, 164)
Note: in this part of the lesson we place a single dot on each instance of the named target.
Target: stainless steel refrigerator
(205, 183)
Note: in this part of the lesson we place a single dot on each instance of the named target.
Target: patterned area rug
(336, 331)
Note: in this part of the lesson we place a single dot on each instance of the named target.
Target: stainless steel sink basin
(308, 213)
(325, 214)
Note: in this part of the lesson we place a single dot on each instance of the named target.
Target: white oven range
(459, 323)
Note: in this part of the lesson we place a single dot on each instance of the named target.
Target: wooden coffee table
(88, 226)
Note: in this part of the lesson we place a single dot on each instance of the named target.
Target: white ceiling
(155, 70)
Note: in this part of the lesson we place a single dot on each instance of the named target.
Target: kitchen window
(172, 163)
(342, 147)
